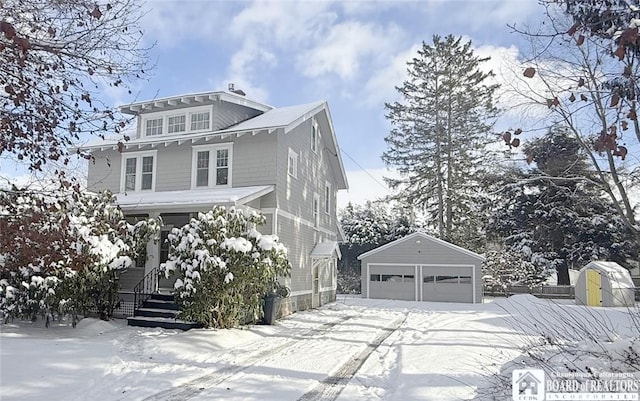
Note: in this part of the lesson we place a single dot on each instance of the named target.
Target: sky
(350, 53)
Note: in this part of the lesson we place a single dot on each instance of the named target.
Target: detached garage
(420, 267)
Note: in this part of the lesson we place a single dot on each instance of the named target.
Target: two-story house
(192, 152)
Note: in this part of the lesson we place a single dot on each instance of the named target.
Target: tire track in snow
(330, 388)
(194, 387)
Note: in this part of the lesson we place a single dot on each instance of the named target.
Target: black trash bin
(271, 308)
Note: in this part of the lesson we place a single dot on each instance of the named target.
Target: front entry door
(165, 284)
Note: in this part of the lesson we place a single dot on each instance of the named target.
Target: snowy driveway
(353, 349)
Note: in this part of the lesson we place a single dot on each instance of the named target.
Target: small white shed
(420, 267)
(604, 284)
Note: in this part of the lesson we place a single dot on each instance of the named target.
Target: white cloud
(348, 45)
(381, 85)
(365, 185)
(172, 22)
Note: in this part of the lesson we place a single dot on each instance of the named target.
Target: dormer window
(153, 126)
(177, 124)
(200, 121)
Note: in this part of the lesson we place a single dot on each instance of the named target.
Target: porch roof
(326, 249)
(195, 198)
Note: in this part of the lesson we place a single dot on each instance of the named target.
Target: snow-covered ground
(352, 349)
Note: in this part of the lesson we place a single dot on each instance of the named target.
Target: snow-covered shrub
(62, 251)
(503, 269)
(224, 267)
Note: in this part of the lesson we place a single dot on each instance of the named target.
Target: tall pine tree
(440, 130)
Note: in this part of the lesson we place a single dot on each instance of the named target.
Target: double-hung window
(200, 121)
(211, 166)
(292, 164)
(315, 133)
(327, 197)
(153, 126)
(138, 171)
(316, 210)
(176, 124)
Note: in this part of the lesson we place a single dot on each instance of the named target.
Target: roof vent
(233, 89)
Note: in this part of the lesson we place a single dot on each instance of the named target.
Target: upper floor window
(211, 166)
(292, 164)
(138, 171)
(153, 127)
(314, 136)
(200, 121)
(177, 124)
(316, 210)
(327, 197)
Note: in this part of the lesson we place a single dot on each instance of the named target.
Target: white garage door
(392, 282)
(447, 284)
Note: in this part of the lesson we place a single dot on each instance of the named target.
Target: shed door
(594, 288)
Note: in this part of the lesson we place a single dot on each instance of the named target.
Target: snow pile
(580, 342)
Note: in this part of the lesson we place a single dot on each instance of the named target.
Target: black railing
(145, 288)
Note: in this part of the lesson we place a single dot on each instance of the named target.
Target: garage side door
(447, 284)
(392, 282)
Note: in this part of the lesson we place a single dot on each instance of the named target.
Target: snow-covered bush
(61, 252)
(503, 269)
(224, 267)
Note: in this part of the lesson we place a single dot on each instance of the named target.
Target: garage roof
(426, 237)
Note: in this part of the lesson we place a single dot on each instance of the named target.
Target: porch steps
(160, 311)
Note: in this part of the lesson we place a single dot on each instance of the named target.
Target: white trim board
(423, 236)
(300, 220)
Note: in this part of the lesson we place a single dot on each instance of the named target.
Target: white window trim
(162, 125)
(196, 111)
(327, 199)
(293, 154)
(138, 156)
(212, 161)
(314, 141)
(164, 115)
(315, 214)
(177, 115)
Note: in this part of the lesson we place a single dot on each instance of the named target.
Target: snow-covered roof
(326, 249)
(196, 197)
(619, 277)
(423, 236)
(282, 117)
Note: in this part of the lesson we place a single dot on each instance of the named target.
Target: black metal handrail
(145, 288)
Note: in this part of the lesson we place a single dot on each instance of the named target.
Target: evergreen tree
(440, 130)
(556, 214)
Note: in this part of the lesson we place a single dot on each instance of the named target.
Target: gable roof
(326, 249)
(420, 235)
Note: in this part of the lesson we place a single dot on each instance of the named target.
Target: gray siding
(226, 115)
(295, 195)
(104, 172)
(299, 241)
(253, 163)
